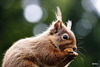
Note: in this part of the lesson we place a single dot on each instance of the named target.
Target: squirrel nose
(75, 49)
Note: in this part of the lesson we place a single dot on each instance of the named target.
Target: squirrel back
(53, 48)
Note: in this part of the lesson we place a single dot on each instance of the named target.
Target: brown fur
(48, 49)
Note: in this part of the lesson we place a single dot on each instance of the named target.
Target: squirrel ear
(69, 24)
(58, 25)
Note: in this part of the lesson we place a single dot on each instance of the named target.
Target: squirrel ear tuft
(69, 24)
(58, 14)
(58, 25)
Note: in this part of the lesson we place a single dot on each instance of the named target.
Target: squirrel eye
(65, 37)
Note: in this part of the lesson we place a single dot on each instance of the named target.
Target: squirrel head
(60, 34)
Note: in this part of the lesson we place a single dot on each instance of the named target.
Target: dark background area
(83, 13)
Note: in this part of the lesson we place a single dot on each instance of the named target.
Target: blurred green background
(25, 18)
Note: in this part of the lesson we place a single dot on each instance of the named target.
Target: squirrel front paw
(73, 56)
(70, 53)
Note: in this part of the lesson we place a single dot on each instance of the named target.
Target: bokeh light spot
(83, 27)
(39, 28)
(87, 5)
(91, 17)
(25, 3)
(33, 13)
(96, 4)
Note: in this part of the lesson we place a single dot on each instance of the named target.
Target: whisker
(82, 48)
(80, 43)
(81, 59)
(79, 38)
(81, 53)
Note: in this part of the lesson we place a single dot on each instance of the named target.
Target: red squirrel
(56, 47)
